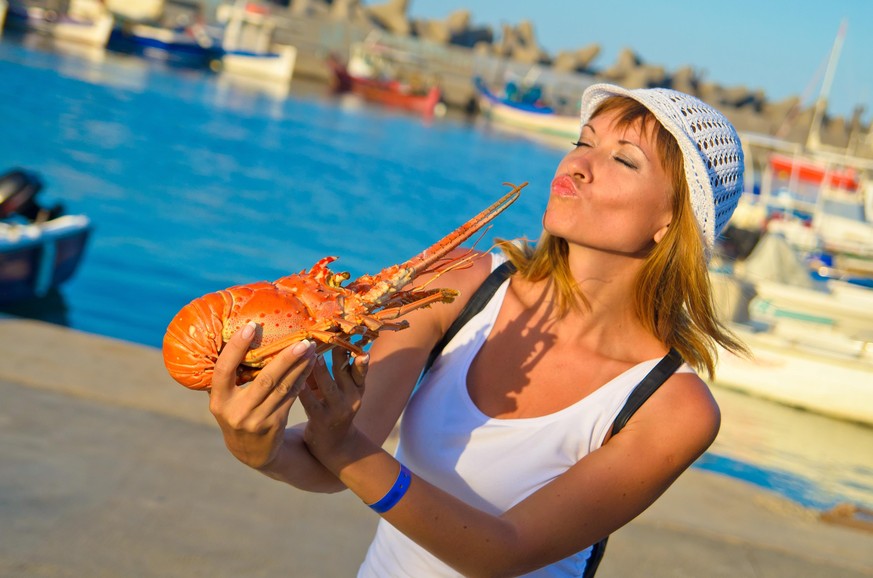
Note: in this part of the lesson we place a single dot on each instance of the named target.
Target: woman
(509, 461)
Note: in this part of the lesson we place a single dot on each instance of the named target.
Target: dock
(109, 468)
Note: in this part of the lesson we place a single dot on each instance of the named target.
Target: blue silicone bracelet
(397, 491)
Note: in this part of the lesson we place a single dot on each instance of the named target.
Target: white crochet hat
(710, 147)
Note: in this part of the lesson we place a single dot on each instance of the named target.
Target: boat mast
(813, 140)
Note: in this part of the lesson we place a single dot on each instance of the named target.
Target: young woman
(525, 444)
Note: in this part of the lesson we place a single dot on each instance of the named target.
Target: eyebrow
(622, 141)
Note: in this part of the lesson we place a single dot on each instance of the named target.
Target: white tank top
(488, 462)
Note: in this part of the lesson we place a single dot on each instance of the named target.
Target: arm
(253, 418)
(601, 493)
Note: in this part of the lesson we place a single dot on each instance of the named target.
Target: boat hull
(277, 65)
(806, 377)
(37, 258)
(809, 349)
(538, 123)
(394, 95)
(173, 47)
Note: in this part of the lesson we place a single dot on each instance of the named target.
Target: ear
(660, 233)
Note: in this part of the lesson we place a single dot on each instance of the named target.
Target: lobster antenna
(426, 259)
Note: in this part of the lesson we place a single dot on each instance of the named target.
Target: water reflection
(812, 459)
(52, 308)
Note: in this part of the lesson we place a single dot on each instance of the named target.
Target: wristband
(397, 491)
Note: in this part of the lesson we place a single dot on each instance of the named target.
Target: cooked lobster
(310, 305)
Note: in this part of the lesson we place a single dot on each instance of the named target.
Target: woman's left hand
(331, 402)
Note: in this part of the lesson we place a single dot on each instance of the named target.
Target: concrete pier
(109, 468)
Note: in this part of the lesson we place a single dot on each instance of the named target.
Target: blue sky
(779, 46)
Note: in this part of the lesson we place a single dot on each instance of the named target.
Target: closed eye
(580, 143)
(626, 162)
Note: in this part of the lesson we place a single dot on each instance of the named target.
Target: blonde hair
(673, 295)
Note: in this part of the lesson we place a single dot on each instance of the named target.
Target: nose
(579, 165)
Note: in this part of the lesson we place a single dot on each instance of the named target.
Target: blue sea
(195, 183)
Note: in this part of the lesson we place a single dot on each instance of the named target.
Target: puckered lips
(563, 186)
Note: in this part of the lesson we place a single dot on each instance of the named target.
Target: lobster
(311, 305)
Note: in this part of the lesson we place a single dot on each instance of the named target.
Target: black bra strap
(659, 374)
(650, 383)
(477, 301)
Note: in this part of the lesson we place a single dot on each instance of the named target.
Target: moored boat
(180, 36)
(248, 44)
(527, 117)
(811, 340)
(40, 247)
(86, 22)
(376, 73)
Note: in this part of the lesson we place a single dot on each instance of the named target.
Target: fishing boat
(40, 247)
(796, 370)
(820, 198)
(86, 22)
(180, 36)
(248, 46)
(529, 116)
(811, 339)
(822, 204)
(382, 73)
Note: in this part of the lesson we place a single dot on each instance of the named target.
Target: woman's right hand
(253, 417)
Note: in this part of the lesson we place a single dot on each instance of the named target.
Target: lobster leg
(256, 357)
(419, 299)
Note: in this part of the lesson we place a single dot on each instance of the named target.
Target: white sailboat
(820, 198)
(248, 44)
(811, 341)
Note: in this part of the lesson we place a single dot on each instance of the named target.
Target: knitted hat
(710, 147)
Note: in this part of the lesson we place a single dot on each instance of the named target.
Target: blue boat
(179, 37)
(524, 113)
(40, 247)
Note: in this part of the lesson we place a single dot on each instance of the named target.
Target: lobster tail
(193, 340)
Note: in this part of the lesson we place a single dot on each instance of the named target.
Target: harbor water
(195, 183)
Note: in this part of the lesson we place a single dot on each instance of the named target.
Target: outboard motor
(18, 190)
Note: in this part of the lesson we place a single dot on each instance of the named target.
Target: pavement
(109, 468)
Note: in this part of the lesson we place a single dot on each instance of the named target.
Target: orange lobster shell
(309, 305)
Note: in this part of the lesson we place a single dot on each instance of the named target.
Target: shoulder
(682, 415)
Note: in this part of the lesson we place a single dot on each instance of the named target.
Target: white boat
(811, 341)
(801, 374)
(530, 119)
(248, 44)
(818, 197)
(40, 246)
(136, 10)
(86, 22)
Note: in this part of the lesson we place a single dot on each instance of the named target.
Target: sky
(778, 46)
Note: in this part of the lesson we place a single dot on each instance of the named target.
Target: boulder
(391, 16)
(576, 61)
(309, 8)
(685, 80)
(626, 61)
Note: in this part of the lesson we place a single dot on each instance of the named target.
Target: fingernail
(249, 329)
(363, 360)
(301, 347)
